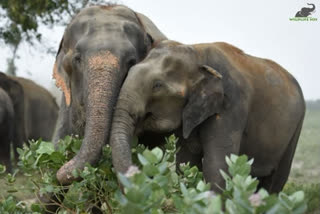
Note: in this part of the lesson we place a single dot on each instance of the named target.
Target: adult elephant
(40, 110)
(13, 123)
(6, 128)
(306, 11)
(34, 114)
(217, 100)
(98, 47)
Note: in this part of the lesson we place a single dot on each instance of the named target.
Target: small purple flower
(256, 200)
(209, 194)
(132, 171)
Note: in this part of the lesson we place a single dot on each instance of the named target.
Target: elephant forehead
(103, 59)
(98, 19)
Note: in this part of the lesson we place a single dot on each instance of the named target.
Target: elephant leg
(275, 182)
(5, 152)
(189, 150)
(220, 136)
(19, 138)
(63, 127)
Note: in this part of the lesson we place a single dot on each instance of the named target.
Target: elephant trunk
(313, 7)
(103, 80)
(123, 127)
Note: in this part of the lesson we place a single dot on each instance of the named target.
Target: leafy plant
(152, 185)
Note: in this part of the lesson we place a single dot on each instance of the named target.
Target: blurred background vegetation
(20, 21)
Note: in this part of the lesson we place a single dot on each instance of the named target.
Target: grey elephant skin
(34, 113)
(306, 11)
(99, 46)
(217, 100)
(6, 128)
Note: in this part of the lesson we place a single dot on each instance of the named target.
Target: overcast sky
(260, 28)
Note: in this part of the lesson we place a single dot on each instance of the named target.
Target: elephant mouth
(143, 123)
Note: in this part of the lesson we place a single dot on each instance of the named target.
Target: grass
(306, 163)
(305, 170)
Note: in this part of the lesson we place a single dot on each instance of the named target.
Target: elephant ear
(205, 100)
(153, 32)
(60, 73)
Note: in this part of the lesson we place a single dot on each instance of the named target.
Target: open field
(305, 172)
(306, 164)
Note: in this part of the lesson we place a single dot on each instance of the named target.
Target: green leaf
(183, 190)
(57, 157)
(45, 148)
(224, 175)
(121, 198)
(36, 208)
(234, 158)
(263, 193)
(2, 169)
(150, 170)
(134, 195)
(297, 197)
(124, 180)
(228, 161)
(215, 206)
(75, 173)
(152, 158)
(285, 200)
(158, 153)
(143, 160)
(163, 167)
(132, 208)
(201, 186)
(162, 181)
(49, 188)
(202, 195)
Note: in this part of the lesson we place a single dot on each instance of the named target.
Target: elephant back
(6, 109)
(40, 108)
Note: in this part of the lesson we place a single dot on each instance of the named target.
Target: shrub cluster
(152, 186)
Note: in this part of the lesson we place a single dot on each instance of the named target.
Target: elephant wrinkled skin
(99, 46)
(217, 100)
(34, 113)
(40, 110)
(6, 128)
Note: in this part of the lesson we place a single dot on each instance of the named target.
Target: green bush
(152, 186)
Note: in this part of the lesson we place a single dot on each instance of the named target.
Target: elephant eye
(77, 59)
(157, 85)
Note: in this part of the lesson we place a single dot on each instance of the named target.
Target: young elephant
(217, 100)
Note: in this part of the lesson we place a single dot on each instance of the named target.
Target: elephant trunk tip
(64, 174)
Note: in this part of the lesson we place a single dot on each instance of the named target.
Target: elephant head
(168, 91)
(98, 47)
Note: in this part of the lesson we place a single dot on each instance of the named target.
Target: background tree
(20, 21)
